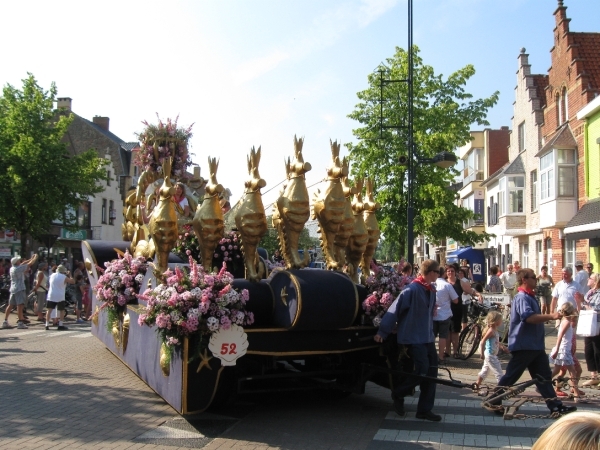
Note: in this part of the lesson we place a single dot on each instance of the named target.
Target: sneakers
(47, 328)
(80, 321)
(592, 382)
(5, 324)
(428, 416)
(561, 394)
(21, 326)
(562, 409)
(61, 328)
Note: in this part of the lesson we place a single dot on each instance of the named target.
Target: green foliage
(39, 180)
(442, 116)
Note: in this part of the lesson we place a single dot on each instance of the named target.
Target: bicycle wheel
(468, 341)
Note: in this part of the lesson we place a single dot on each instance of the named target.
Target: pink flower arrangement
(194, 303)
(229, 251)
(161, 141)
(384, 286)
(119, 284)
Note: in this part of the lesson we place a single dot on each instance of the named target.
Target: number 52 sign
(229, 345)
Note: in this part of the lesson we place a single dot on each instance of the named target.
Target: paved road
(65, 390)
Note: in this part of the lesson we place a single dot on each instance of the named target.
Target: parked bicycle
(470, 337)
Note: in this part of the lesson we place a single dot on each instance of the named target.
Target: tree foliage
(442, 116)
(39, 181)
(270, 242)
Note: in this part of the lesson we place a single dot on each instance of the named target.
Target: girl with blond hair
(561, 354)
(490, 344)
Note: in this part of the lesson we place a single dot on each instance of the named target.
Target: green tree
(442, 115)
(39, 181)
(270, 242)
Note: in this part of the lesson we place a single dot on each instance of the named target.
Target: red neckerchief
(177, 199)
(421, 280)
(527, 291)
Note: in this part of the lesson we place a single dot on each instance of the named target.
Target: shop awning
(586, 223)
(461, 253)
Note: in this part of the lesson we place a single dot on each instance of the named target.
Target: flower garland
(119, 284)
(383, 286)
(161, 141)
(194, 303)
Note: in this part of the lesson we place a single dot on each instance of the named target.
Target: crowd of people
(434, 307)
(49, 291)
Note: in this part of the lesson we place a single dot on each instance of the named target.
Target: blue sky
(251, 73)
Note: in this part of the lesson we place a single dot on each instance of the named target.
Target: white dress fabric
(565, 355)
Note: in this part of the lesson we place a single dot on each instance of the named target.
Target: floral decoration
(229, 251)
(383, 286)
(187, 243)
(161, 141)
(194, 303)
(119, 284)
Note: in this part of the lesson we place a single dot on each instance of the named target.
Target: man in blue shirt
(526, 343)
(412, 312)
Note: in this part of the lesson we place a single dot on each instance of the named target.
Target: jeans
(536, 362)
(424, 357)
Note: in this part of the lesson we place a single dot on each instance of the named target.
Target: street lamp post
(443, 159)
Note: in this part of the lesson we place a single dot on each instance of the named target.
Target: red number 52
(228, 349)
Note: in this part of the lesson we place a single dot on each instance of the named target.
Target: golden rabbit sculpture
(293, 209)
(250, 217)
(208, 220)
(347, 225)
(370, 208)
(357, 243)
(329, 206)
(163, 222)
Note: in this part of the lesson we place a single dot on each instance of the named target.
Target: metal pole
(411, 152)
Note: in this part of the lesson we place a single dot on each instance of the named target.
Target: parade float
(194, 332)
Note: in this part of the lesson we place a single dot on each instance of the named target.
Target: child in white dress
(561, 354)
(489, 346)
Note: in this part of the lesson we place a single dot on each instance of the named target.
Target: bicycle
(470, 337)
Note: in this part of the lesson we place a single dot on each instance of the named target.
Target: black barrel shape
(314, 299)
(261, 301)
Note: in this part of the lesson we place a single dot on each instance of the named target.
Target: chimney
(64, 103)
(102, 122)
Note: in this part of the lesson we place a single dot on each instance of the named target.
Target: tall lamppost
(442, 159)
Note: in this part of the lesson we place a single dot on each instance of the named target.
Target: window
(492, 211)
(570, 254)
(516, 191)
(525, 255)
(564, 105)
(547, 176)
(561, 162)
(83, 215)
(501, 196)
(112, 214)
(521, 136)
(108, 177)
(534, 189)
(473, 166)
(104, 212)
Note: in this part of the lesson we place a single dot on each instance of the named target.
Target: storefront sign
(451, 245)
(78, 235)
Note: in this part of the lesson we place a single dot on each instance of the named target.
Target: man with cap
(17, 289)
(56, 295)
(581, 276)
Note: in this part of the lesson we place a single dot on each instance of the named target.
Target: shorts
(442, 327)
(58, 305)
(18, 298)
(79, 302)
(546, 300)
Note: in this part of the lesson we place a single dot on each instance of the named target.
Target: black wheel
(468, 341)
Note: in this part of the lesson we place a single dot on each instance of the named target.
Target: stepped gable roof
(563, 138)
(514, 167)
(541, 83)
(588, 51)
